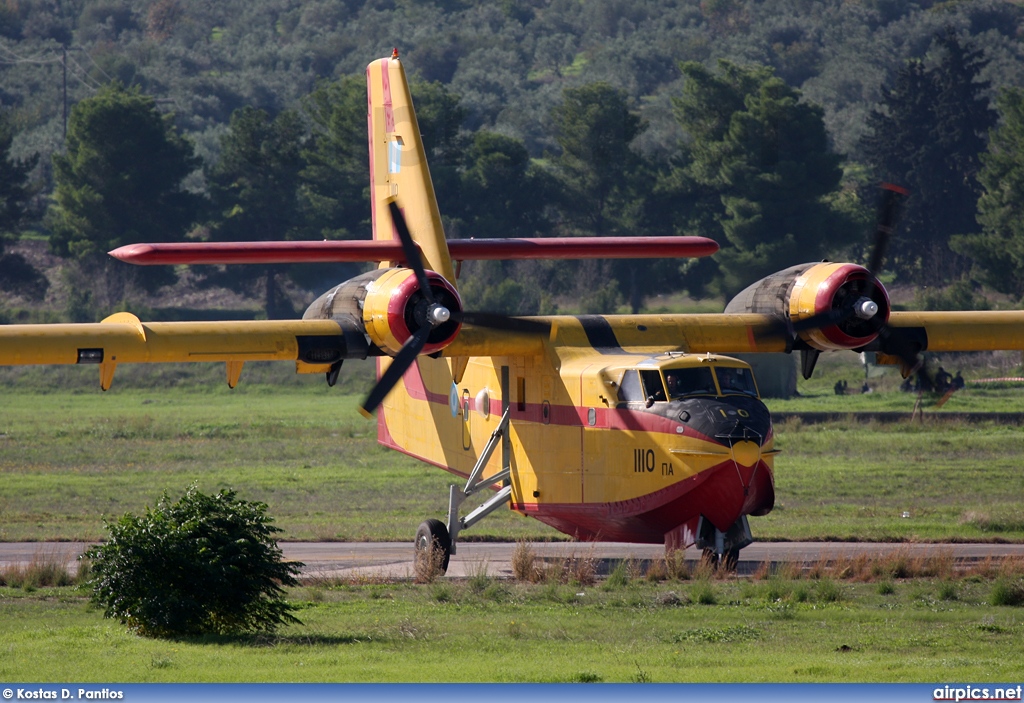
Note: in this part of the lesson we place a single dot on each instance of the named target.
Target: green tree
(927, 135)
(335, 177)
(998, 250)
(440, 116)
(16, 274)
(763, 154)
(503, 193)
(255, 188)
(594, 128)
(601, 191)
(14, 187)
(201, 565)
(120, 182)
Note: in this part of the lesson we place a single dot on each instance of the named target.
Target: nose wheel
(725, 562)
(721, 550)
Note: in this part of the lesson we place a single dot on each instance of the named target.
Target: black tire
(725, 563)
(433, 534)
(729, 560)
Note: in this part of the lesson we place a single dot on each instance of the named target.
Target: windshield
(690, 381)
(733, 380)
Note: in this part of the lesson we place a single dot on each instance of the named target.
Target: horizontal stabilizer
(391, 250)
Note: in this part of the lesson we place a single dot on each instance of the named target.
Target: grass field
(624, 629)
(70, 458)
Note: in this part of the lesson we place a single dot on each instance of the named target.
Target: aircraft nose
(746, 453)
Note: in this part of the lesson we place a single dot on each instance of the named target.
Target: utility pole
(64, 64)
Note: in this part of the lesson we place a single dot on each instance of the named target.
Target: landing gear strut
(722, 549)
(445, 537)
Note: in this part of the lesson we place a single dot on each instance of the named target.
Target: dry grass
(524, 563)
(706, 570)
(582, 569)
(672, 567)
(48, 568)
(893, 566)
(428, 566)
(529, 568)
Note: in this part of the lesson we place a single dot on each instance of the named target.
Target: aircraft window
(630, 390)
(735, 380)
(653, 385)
(690, 381)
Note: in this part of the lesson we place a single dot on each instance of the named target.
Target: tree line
(748, 159)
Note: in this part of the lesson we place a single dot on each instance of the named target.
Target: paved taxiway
(394, 559)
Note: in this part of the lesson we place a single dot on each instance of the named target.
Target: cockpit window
(653, 387)
(735, 380)
(630, 390)
(694, 381)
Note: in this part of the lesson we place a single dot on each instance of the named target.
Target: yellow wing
(122, 338)
(989, 330)
(740, 333)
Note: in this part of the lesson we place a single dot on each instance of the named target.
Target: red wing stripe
(387, 250)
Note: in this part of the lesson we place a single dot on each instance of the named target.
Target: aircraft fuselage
(603, 445)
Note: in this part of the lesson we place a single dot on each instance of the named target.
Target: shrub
(202, 565)
(829, 591)
(1006, 592)
(704, 593)
(948, 590)
(617, 578)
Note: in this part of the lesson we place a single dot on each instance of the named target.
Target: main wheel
(433, 545)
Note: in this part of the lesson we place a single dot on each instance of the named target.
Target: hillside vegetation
(764, 125)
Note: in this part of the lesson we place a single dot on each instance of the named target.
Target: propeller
(892, 340)
(860, 305)
(435, 314)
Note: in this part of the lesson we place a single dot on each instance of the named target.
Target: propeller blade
(823, 319)
(890, 205)
(889, 208)
(412, 252)
(898, 343)
(498, 321)
(399, 365)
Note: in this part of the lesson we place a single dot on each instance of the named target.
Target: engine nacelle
(389, 307)
(801, 292)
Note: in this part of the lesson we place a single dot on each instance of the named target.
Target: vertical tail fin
(398, 165)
